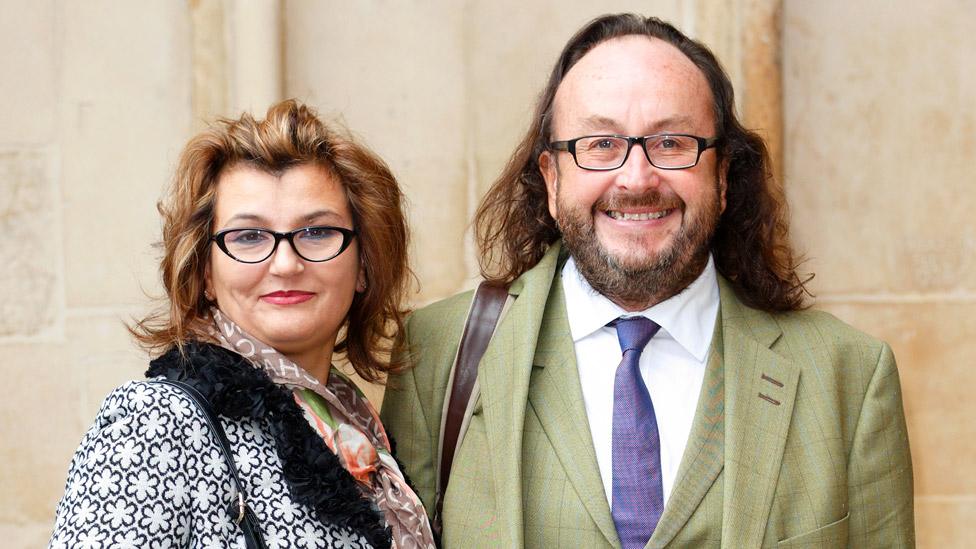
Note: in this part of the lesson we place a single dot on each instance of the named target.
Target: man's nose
(637, 172)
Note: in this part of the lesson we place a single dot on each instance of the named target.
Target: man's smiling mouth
(646, 216)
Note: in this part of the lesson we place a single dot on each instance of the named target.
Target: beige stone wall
(94, 103)
(97, 98)
(880, 146)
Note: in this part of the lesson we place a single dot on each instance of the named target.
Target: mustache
(651, 198)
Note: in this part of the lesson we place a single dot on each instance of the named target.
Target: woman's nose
(285, 261)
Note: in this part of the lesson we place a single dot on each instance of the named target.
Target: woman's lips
(288, 297)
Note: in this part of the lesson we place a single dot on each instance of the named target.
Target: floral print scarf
(350, 427)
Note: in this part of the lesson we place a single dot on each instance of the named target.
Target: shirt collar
(688, 317)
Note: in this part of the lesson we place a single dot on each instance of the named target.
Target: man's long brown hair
(751, 245)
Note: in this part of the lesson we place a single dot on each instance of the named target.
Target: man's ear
(723, 184)
(550, 173)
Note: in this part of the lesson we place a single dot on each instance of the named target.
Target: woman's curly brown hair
(751, 245)
(290, 135)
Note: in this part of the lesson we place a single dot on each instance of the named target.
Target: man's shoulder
(798, 330)
(816, 338)
(448, 311)
(826, 326)
(434, 331)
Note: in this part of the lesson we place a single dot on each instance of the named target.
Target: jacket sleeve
(880, 469)
(414, 399)
(126, 484)
(407, 416)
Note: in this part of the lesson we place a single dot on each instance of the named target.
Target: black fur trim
(237, 389)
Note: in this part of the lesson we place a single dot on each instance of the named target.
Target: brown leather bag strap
(486, 309)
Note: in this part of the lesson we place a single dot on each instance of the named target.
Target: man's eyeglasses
(317, 244)
(672, 151)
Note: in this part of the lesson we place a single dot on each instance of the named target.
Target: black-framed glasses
(252, 245)
(667, 151)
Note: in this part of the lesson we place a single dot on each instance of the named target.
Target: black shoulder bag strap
(243, 516)
(486, 310)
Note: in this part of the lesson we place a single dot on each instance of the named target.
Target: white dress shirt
(672, 364)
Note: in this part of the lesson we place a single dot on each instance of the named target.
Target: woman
(284, 246)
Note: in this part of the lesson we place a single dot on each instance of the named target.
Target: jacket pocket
(831, 535)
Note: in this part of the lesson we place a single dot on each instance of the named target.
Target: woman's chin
(287, 339)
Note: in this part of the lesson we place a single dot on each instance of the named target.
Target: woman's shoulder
(142, 394)
(138, 419)
(145, 399)
(129, 480)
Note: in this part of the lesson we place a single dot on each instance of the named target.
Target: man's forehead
(633, 72)
(599, 121)
(631, 55)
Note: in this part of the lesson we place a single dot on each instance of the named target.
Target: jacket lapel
(703, 458)
(741, 424)
(504, 380)
(557, 400)
(760, 388)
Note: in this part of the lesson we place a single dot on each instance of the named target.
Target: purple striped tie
(638, 495)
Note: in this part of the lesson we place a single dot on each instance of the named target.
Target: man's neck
(690, 311)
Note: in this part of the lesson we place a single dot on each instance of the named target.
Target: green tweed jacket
(799, 438)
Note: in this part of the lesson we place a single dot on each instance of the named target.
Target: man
(746, 421)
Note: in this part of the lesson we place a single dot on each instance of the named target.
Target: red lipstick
(287, 297)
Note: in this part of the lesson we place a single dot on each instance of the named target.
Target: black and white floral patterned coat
(150, 473)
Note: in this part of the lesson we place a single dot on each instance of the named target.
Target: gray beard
(637, 287)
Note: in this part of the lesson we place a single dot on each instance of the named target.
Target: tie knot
(634, 332)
